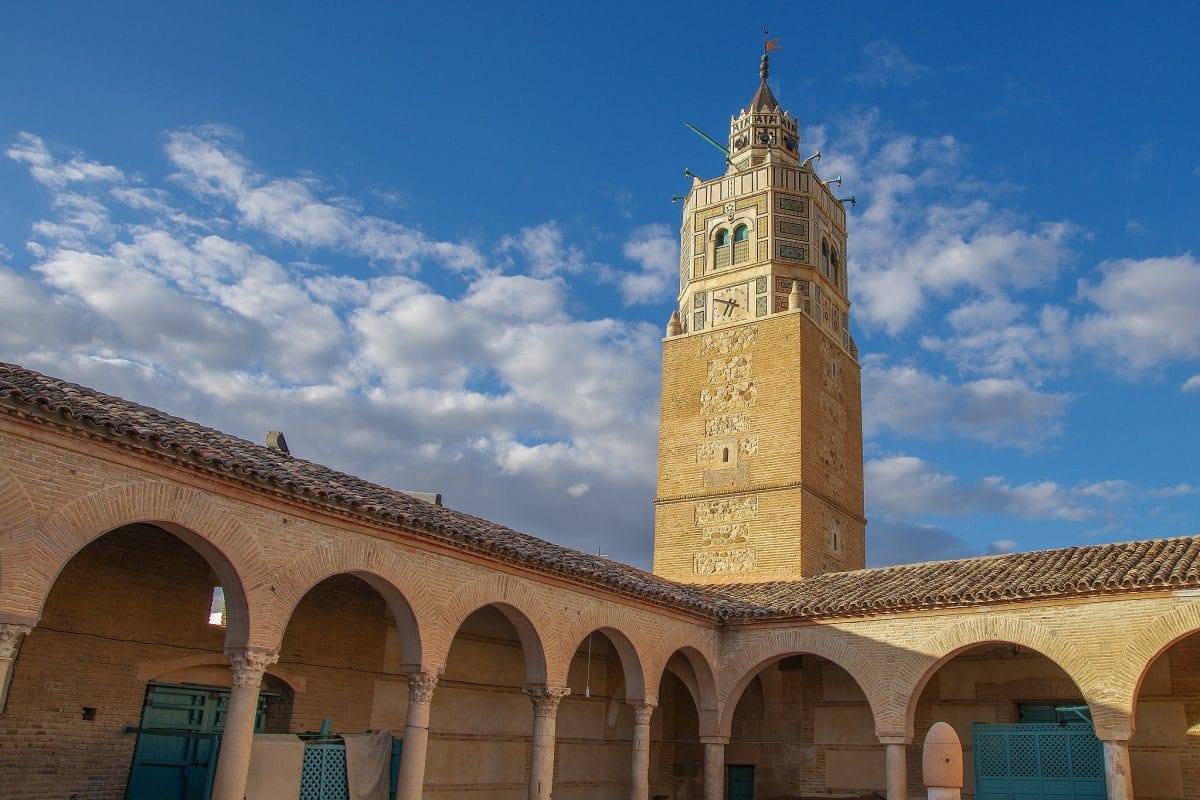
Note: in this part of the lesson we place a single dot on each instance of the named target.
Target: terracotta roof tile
(1052, 573)
(1094, 569)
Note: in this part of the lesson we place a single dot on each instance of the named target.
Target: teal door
(741, 781)
(1038, 761)
(175, 757)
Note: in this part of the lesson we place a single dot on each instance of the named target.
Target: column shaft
(541, 762)
(714, 769)
(233, 762)
(1117, 774)
(897, 771)
(416, 736)
(639, 776)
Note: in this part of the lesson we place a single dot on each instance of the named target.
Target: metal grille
(324, 775)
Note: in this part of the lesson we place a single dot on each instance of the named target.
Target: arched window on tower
(721, 257)
(825, 257)
(741, 244)
(835, 272)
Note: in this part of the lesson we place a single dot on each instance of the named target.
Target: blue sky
(436, 246)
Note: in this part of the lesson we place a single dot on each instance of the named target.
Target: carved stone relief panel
(730, 397)
(740, 559)
(726, 509)
(731, 341)
(725, 370)
(727, 424)
(724, 535)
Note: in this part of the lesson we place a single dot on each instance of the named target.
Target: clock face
(731, 303)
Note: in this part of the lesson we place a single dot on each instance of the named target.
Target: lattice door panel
(1037, 761)
(324, 775)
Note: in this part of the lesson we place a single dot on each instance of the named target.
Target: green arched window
(721, 256)
(741, 244)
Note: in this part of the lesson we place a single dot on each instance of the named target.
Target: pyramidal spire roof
(764, 98)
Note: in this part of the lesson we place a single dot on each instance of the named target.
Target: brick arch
(20, 519)
(911, 677)
(613, 623)
(151, 670)
(701, 683)
(1153, 640)
(831, 645)
(191, 516)
(524, 609)
(383, 568)
(698, 651)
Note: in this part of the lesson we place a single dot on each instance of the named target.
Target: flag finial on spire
(764, 69)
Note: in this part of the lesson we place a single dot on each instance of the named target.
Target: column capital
(546, 698)
(10, 637)
(714, 740)
(642, 711)
(421, 686)
(905, 740)
(249, 664)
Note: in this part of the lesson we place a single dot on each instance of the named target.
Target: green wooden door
(741, 781)
(175, 757)
(1038, 761)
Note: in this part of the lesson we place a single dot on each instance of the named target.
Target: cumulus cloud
(1192, 384)
(928, 230)
(545, 249)
(656, 251)
(912, 403)
(292, 211)
(1145, 311)
(55, 173)
(906, 486)
(490, 391)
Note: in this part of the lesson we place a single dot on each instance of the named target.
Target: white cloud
(290, 209)
(1192, 384)
(906, 486)
(490, 392)
(928, 230)
(1146, 311)
(656, 251)
(885, 64)
(545, 249)
(56, 174)
(1003, 412)
(893, 541)
(1179, 490)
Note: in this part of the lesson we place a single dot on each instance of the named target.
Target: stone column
(416, 736)
(10, 644)
(714, 766)
(897, 767)
(1117, 775)
(541, 763)
(639, 777)
(248, 666)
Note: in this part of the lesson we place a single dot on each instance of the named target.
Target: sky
(435, 245)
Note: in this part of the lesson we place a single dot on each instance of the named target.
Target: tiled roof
(1090, 570)
(1053, 573)
(151, 430)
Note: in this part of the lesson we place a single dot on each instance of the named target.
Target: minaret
(760, 463)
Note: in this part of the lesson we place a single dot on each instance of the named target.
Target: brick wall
(108, 613)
